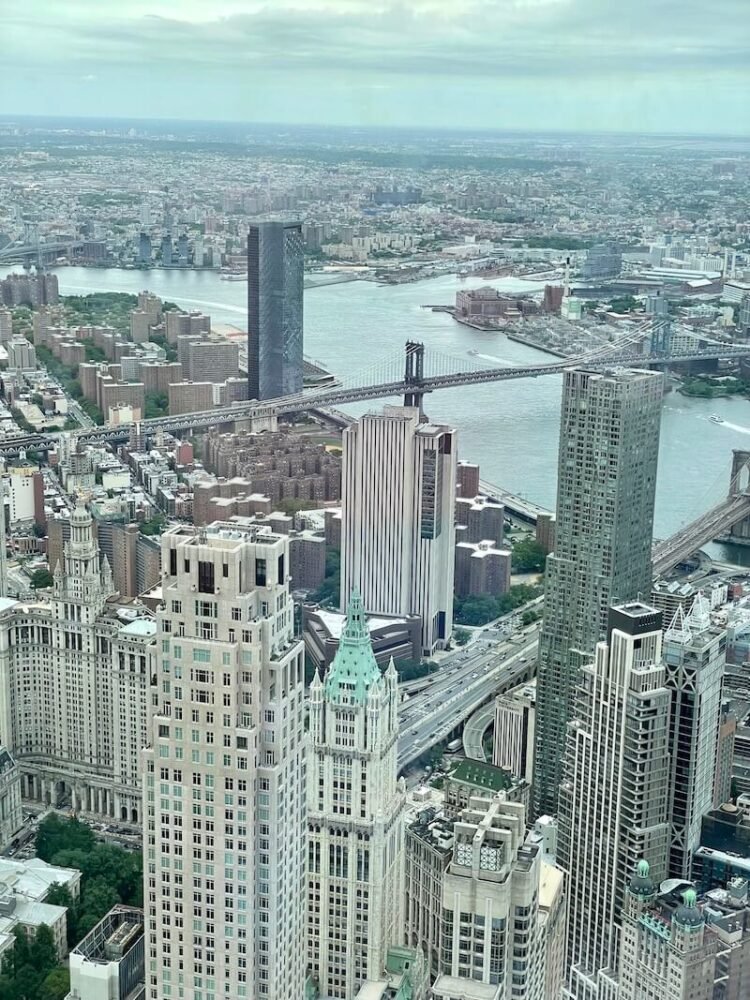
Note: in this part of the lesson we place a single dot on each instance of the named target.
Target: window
(206, 583)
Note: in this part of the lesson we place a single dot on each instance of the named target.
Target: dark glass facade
(275, 269)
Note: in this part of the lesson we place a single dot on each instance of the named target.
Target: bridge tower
(661, 335)
(414, 375)
(740, 483)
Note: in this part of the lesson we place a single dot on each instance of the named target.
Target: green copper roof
(354, 669)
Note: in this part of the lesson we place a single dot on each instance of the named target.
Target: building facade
(694, 656)
(397, 535)
(224, 773)
(275, 268)
(355, 805)
(609, 443)
(614, 799)
(73, 698)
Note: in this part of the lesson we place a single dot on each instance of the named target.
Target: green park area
(109, 875)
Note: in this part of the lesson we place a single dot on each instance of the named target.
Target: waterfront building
(602, 261)
(212, 359)
(694, 655)
(355, 806)
(614, 798)
(397, 536)
(609, 443)
(225, 840)
(144, 251)
(275, 269)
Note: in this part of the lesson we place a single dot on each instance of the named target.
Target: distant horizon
(9, 118)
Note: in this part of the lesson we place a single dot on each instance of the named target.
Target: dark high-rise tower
(275, 267)
(609, 445)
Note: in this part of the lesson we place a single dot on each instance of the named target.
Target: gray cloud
(486, 38)
(549, 63)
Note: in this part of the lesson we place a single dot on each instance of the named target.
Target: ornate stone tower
(355, 815)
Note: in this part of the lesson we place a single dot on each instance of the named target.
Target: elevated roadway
(476, 729)
(463, 684)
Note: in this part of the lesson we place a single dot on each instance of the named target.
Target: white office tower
(695, 656)
(224, 790)
(614, 799)
(397, 535)
(496, 932)
(355, 806)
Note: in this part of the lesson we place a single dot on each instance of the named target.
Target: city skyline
(570, 64)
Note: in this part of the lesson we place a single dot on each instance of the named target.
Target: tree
(154, 525)
(56, 984)
(528, 555)
(57, 834)
(41, 578)
(328, 592)
(157, 405)
(42, 952)
(462, 636)
(59, 895)
(623, 304)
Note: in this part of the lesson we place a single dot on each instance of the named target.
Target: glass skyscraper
(609, 445)
(275, 268)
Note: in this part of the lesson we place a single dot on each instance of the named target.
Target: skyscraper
(355, 809)
(614, 799)
(694, 654)
(609, 443)
(224, 790)
(397, 534)
(275, 267)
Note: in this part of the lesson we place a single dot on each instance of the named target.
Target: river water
(510, 428)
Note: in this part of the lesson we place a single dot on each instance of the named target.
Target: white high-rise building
(614, 799)
(695, 655)
(224, 776)
(355, 805)
(397, 535)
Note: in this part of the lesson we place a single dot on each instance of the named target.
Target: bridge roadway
(466, 681)
(341, 395)
(701, 531)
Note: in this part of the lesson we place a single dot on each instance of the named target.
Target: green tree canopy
(56, 833)
(41, 578)
(527, 556)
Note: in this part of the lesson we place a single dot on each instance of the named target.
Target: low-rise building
(109, 963)
(391, 636)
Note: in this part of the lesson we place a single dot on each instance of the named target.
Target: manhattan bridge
(419, 371)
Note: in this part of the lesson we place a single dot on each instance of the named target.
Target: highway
(468, 679)
(474, 731)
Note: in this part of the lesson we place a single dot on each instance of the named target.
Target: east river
(510, 428)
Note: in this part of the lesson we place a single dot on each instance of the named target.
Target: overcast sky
(630, 65)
